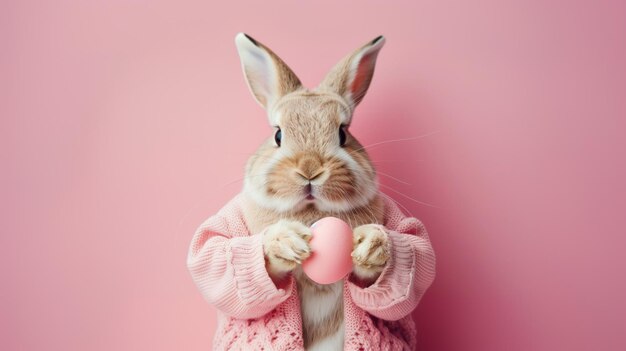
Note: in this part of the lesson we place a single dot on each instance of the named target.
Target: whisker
(397, 203)
(394, 161)
(246, 176)
(370, 146)
(259, 155)
(392, 177)
(408, 197)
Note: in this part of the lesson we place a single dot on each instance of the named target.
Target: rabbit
(311, 167)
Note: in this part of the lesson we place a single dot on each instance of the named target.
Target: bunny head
(310, 160)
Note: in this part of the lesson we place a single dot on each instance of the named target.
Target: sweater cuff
(253, 283)
(395, 281)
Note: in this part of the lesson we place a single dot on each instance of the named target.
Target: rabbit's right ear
(268, 77)
(351, 77)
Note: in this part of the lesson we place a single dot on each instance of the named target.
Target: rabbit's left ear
(351, 77)
(268, 77)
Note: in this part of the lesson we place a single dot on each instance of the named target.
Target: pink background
(125, 123)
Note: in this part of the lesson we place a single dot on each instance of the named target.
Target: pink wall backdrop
(125, 123)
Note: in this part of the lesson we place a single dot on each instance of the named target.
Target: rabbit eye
(278, 137)
(342, 137)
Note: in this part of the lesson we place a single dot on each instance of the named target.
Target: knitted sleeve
(228, 266)
(408, 273)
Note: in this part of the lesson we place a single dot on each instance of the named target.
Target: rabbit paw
(285, 245)
(371, 251)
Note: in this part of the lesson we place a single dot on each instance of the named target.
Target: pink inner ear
(363, 74)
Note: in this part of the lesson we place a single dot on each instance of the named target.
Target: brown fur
(258, 217)
(310, 156)
(312, 332)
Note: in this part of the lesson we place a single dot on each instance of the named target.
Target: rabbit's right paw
(285, 245)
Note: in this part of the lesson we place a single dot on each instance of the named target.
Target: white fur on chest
(317, 308)
(331, 343)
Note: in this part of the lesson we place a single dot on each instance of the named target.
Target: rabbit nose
(310, 168)
(309, 177)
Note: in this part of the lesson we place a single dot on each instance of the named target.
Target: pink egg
(331, 247)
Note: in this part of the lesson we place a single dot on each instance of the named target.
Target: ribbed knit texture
(226, 262)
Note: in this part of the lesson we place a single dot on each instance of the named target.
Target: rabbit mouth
(308, 190)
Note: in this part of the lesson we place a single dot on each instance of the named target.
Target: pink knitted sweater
(227, 264)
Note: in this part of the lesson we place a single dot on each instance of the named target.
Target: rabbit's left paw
(370, 251)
